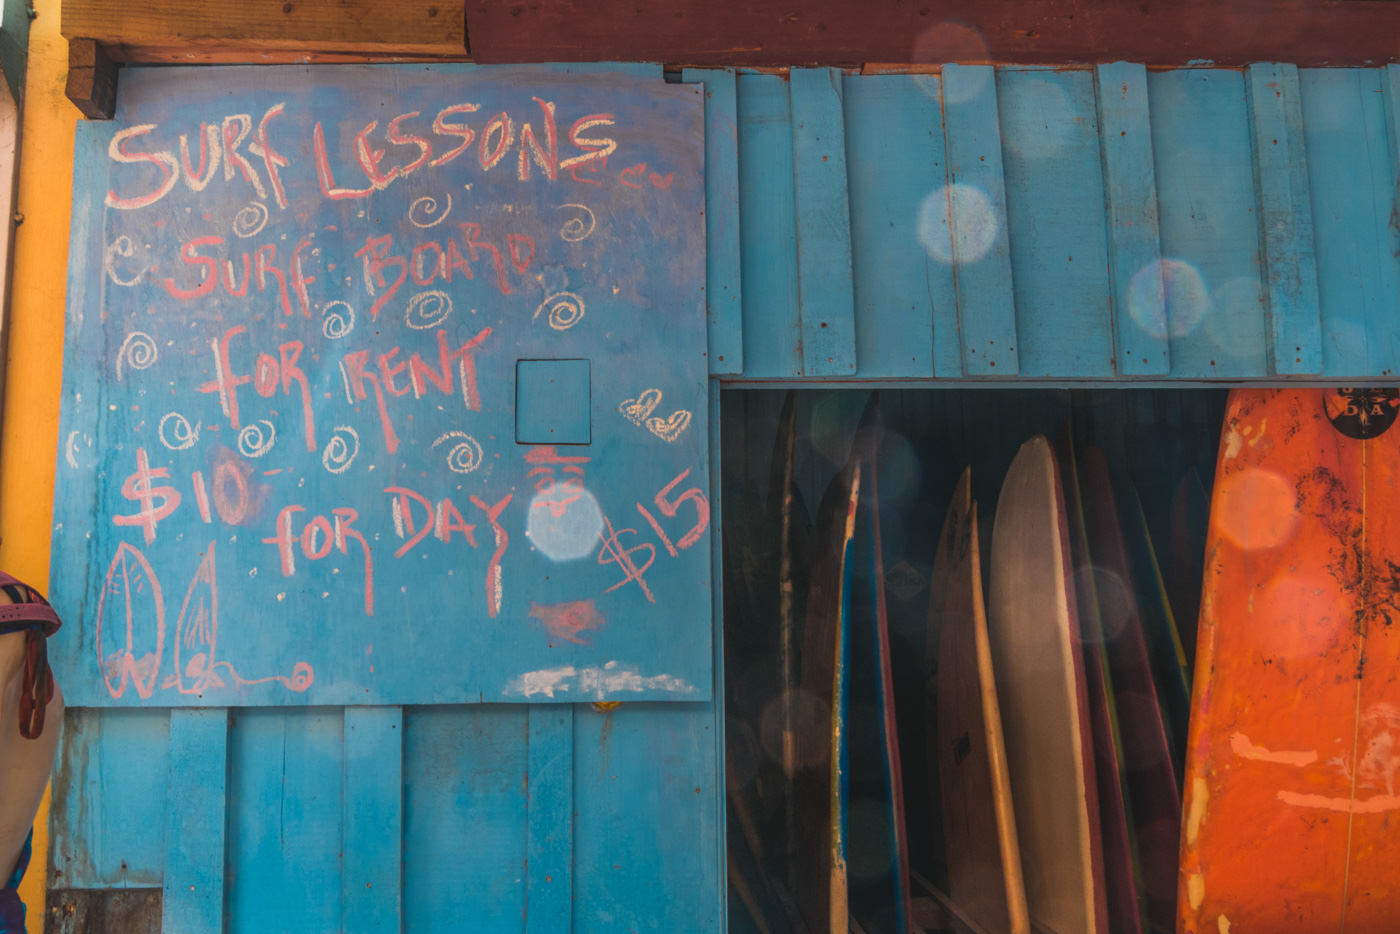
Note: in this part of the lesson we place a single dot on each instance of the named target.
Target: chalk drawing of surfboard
(197, 633)
(197, 636)
(130, 624)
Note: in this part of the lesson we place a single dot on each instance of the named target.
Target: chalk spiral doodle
(71, 447)
(578, 228)
(302, 677)
(465, 454)
(250, 220)
(175, 432)
(138, 351)
(122, 248)
(255, 440)
(427, 310)
(565, 310)
(421, 212)
(337, 319)
(341, 450)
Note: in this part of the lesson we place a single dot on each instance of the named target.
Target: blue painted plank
(714, 832)
(549, 820)
(723, 292)
(109, 800)
(827, 303)
(976, 222)
(1055, 214)
(464, 818)
(768, 234)
(286, 804)
(371, 883)
(1352, 181)
(1211, 273)
(645, 788)
(192, 900)
(1285, 218)
(1130, 194)
(906, 315)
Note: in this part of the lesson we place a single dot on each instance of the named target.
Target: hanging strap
(31, 614)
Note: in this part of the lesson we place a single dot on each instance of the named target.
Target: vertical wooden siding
(1094, 223)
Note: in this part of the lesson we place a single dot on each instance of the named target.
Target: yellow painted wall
(29, 431)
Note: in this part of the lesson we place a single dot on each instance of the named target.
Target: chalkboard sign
(385, 384)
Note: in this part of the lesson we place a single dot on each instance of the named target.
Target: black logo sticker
(1362, 413)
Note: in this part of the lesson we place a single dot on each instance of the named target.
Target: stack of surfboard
(1056, 705)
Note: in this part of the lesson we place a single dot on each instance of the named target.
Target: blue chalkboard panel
(304, 308)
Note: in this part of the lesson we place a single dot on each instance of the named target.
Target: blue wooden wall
(1055, 224)
(1051, 225)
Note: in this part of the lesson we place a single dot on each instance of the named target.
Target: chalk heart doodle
(637, 410)
(670, 428)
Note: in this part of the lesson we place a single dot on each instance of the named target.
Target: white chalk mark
(429, 207)
(594, 683)
(565, 310)
(175, 431)
(138, 351)
(577, 228)
(428, 310)
(336, 324)
(250, 220)
(254, 440)
(465, 455)
(340, 452)
(123, 248)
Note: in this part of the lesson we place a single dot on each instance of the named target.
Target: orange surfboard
(1292, 798)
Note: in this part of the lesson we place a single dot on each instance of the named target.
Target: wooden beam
(92, 79)
(434, 28)
(840, 33)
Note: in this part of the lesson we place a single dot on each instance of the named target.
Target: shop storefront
(450, 460)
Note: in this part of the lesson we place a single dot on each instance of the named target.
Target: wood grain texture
(436, 27)
(195, 825)
(370, 884)
(92, 79)
(1130, 195)
(1285, 218)
(976, 222)
(906, 319)
(979, 821)
(549, 820)
(827, 307)
(723, 291)
(831, 32)
(1348, 116)
(1034, 634)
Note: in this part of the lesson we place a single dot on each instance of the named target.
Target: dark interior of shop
(1142, 459)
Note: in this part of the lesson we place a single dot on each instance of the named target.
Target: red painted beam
(843, 33)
